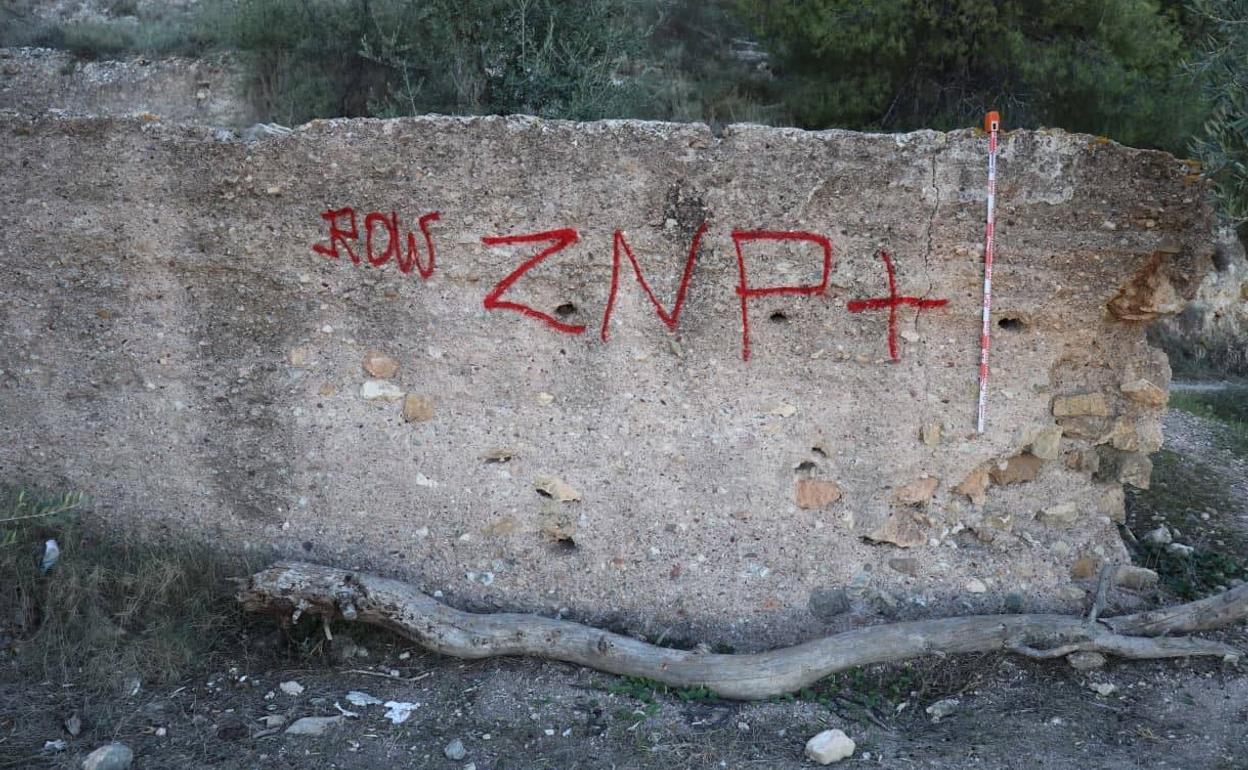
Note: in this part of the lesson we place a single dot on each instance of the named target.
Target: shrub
(159, 31)
(1219, 353)
(1102, 66)
(1222, 71)
(318, 58)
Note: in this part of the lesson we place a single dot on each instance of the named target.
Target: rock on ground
(113, 756)
(829, 746)
(943, 708)
(455, 750)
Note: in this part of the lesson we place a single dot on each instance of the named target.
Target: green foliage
(318, 58)
(1196, 575)
(649, 691)
(1228, 405)
(861, 693)
(699, 66)
(1108, 67)
(1195, 355)
(22, 510)
(153, 31)
(1222, 71)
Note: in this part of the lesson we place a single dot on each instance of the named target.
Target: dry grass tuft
(113, 607)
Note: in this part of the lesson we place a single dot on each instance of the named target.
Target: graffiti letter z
(559, 239)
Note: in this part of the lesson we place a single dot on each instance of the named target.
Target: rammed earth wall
(634, 372)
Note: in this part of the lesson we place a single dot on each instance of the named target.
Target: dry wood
(298, 588)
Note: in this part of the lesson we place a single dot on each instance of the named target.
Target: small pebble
(1085, 661)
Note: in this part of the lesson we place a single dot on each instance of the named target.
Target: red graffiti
(747, 292)
(670, 318)
(892, 302)
(338, 236)
(344, 234)
(411, 258)
(560, 239)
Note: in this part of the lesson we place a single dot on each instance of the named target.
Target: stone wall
(635, 373)
(1211, 334)
(205, 91)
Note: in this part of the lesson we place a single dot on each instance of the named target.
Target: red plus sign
(892, 302)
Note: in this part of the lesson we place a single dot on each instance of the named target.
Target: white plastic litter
(357, 698)
(398, 711)
(346, 712)
(51, 554)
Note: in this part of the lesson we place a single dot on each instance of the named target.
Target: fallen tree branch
(292, 589)
(1103, 582)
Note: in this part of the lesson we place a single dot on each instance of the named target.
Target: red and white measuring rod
(992, 124)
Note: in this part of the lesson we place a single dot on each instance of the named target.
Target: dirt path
(1202, 440)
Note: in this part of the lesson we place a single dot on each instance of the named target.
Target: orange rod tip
(992, 121)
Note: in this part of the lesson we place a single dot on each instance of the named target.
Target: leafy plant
(1222, 71)
(1195, 575)
(24, 509)
(648, 691)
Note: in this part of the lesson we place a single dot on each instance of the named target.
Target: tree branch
(288, 588)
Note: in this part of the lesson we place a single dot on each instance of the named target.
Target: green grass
(1228, 406)
(1182, 489)
(1183, 492)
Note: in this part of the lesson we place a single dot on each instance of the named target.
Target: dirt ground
(512, 713)
(519, 714)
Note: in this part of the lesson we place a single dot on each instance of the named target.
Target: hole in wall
(778, 317)
(1011, 324)
(805, 466)
(1221, 258)
(565, 310)
(817, 451)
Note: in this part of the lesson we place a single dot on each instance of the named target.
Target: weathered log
(298, 588)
